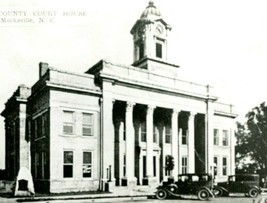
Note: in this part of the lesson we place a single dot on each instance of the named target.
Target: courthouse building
(116, 124)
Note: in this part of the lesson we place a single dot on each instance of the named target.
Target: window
(43, 124)
(44, 165)
(36, 165)
(144, 166)
(155, 140)
(124, 165)
(184, 138)
(124, 131)
(154, 166)
(39, 127)
(158, 50)
(216, 137)
(224, 169)
(215, 161)
(184, 165)
(225, 138)
(68, 164)
(143, 132)
(88, 124)
(87, 164)
(68, 123)
(168, 133)
(141, 50)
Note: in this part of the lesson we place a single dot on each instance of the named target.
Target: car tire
(218, 192)
(253, 192)
(161, 194)
(203, 194)
(173, 188)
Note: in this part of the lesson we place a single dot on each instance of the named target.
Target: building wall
(61, 101)
(223, 123)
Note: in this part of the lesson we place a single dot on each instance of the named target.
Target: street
(233, 199)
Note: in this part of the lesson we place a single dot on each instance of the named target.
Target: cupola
(150, 36)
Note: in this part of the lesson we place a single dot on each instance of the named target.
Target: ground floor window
(154, 166)
(215, 169)
(87, 164)
(224, 166)
(184, 165)
(68, 164)
(124, 165)
(144, 166)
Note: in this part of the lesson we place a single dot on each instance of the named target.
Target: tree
(169, 163)
(252, 139)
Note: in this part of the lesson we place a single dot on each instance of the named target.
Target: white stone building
(116, 124)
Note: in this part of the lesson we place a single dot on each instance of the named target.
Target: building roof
(151, 12)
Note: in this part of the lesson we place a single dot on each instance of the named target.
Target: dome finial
(151, 3)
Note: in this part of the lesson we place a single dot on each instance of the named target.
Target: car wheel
(253, 192)
(173, 189)
(161, 194)
(203, 194)
(218, 192)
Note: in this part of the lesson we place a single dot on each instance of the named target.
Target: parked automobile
(187, 184)
(249, 184)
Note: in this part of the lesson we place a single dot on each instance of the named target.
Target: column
(175, 143)
(209, 138)
(107, 142)
(191, 142)
(149, 141)
(151, 180)
(131, 180)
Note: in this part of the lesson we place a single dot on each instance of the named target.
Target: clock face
(159, 29)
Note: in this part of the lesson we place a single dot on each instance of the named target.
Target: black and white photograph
(133, 101)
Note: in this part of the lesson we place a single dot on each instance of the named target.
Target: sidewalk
(119, 194)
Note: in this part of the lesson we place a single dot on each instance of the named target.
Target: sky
(218, 42)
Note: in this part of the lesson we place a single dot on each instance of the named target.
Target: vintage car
(187, 184)
(249, 184)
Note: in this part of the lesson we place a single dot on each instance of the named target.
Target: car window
(232, 179)
(183, 178)
(204, 178)
(195, 178)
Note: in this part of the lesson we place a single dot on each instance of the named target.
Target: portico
(146, 129)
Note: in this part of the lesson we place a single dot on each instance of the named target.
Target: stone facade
(117, 125)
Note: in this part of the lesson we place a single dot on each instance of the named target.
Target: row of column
(149, 144)
(108, 138)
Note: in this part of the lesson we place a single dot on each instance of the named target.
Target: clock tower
(150, 37)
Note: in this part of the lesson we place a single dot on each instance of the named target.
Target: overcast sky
(222, 43)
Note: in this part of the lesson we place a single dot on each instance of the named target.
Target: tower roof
(151, 12)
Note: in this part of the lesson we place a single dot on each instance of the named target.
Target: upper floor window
(158, 50)
(225, 138)
(141, 50)
(216, 137)
(88, 124)
(168, 134)
(184, 137)
(68, 122)
(143, 132)
(87, 164)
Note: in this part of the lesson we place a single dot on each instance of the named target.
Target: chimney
(42, 68)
